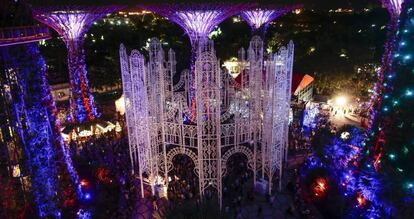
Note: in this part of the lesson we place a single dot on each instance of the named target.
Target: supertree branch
(72, 23)
(393, 6)
(197, 20)
(259, 18)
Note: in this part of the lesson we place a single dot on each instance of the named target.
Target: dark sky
(317, 4)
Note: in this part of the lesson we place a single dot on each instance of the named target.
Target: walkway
(20, 35)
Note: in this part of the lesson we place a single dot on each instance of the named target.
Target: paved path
(340, 119)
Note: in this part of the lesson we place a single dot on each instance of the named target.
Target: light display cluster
(358, 189)
(309, 119)
(72, 23)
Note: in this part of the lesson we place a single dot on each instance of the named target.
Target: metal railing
(25, 34)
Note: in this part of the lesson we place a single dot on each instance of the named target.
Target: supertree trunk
(82, 105)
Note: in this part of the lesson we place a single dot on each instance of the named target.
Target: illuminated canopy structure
(72, 22)
(198, 21)
(393, 6)
(250, 119)
(260, 18)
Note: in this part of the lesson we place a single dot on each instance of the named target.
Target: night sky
(315, 4)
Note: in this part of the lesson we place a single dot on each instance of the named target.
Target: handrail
(24, 34)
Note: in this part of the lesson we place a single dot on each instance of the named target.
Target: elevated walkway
(26, 34)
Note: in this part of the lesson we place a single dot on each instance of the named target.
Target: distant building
(302, 94)
(302, 88)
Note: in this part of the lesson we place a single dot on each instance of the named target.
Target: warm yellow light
(341, 100)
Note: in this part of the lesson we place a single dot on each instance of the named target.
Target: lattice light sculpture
(260, 18)
(155, 118)
(72, 22)
(277, 106)
(198, 21)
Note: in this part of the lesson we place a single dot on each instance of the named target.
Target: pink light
(258, 18)
(73, 24)
(197, 20)
(198, 24)
(393, 6)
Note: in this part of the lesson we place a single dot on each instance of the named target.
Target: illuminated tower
(72, 22)
(394, 10)
(377, 136)
(197, 20)
(259, 18)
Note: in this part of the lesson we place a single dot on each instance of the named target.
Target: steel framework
(255, 123)
(198, 21)
(72, 22)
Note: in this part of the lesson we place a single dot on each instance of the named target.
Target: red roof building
(302, 87)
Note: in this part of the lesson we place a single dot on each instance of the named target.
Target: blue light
(87, 196)
(409, 93)
(403, 43)
(407, 57)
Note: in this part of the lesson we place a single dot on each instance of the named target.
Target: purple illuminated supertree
(259, 18)
(197, 20)
(72, 22)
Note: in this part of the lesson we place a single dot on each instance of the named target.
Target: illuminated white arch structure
(251, 119)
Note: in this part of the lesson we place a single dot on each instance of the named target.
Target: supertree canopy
(260, 18)
(197, 20)
(72, 22)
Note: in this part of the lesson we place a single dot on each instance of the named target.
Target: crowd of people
(184, 182)
(103, 165)
(104, 161)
